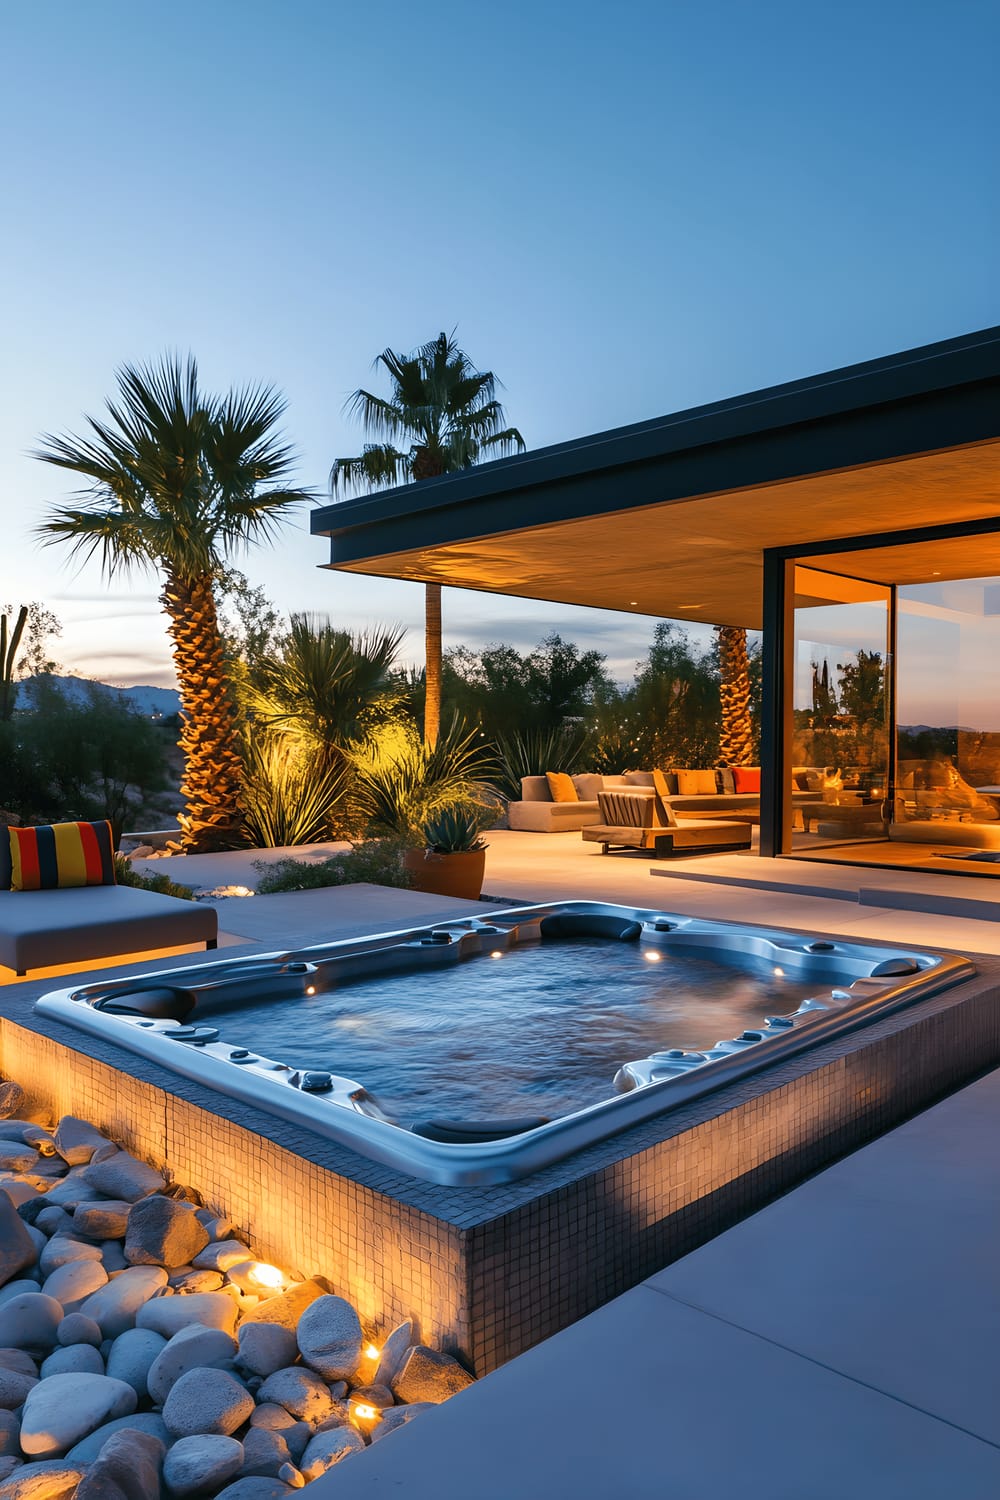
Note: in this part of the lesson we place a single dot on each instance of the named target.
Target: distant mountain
(157, 702)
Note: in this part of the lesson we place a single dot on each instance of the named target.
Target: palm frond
(379, 466)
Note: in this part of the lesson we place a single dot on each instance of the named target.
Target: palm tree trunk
(212, 768)
(736, 739)
(432, 657)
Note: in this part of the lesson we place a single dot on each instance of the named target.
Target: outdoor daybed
(634, 820)
(43, 928)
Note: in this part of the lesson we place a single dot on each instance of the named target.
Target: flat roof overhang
(672, 517)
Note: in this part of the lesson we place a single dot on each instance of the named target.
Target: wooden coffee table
(851, 816)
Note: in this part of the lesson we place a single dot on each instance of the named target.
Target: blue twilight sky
(624, 209)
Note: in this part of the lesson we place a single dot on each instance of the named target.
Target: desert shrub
(125, 874)
(535, 751)
(375, 862)
(289, 797)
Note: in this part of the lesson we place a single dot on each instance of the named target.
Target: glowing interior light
(779, 973)
(364, 1412)
(371, 1352)
(496, 953)
(310, 989)
(651, 956)
(266, 1276)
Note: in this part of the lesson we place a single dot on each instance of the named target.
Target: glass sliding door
(947, 784)
(835, 782)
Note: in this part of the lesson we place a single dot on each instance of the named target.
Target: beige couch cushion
(696, 783)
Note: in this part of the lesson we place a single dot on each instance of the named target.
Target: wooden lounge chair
(634, 821)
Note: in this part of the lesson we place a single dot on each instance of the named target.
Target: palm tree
(176, 482)
(736, 739)
(441, 415)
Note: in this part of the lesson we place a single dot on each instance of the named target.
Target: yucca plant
(455, 830)
(535, 751)
(288, 798)
(398, 792)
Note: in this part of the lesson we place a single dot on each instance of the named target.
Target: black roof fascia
(939, 396)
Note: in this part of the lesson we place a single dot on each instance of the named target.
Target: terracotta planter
(458, 875)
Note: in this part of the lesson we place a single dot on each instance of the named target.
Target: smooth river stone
(17, 1158)
(76, 1329)
(429, 1375)
(393, 1353)
(132, 1356)
(327, 1449)
(73, 1283)
(106, 1219)
(140, 1421)
(30, 1321)
(193, 1348)
(123, 1176)
(163, 1232)
(19, 1360)
(78, 1359)
(14, 1388)
(18, 1288)
(266, 1347)
(255, 1488)
(287, 1308)
(220, 1255)
(207, 1401)
(65, 1408)
(329, 1338)
(17, 1248)
(301, 1392)
(398, 1416)
(264, 1452)
(118, 1305)
(63, 1250)
(43, 1481)
(52, 1219)
(168, 1315)
(200, 1465)
(128, 1467)
(10, 1431)
(12, 1099)
(77, 1140)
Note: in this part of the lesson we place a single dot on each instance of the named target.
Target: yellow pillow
(561, 788)
(696, 783)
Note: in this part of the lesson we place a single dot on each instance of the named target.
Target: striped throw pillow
(58, 855)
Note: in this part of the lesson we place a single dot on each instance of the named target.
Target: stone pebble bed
(145, 1354)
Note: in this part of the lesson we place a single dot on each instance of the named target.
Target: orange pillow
(746, 778)
(561, 788)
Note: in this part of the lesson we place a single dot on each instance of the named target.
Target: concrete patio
(843, 1341)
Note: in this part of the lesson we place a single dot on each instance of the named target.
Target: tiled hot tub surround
(487, 1272)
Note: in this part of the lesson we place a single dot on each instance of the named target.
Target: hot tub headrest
(162, 1003)
(472, 1132)
(571, 924)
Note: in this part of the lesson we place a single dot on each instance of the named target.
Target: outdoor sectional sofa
(43, 928)
(536, 812)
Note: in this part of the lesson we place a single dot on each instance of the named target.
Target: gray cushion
(41, 928)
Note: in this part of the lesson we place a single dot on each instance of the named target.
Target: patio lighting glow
(652, 957)
(310, 989)
(363, 1411)
(779, 973)
(265, 1276)
(371, 1352)
(496, 953)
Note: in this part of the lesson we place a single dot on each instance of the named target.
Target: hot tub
(480, 1050)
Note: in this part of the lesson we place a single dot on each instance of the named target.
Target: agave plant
(287, 797)
(455, 829)
(536, 751)
(399, 791)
